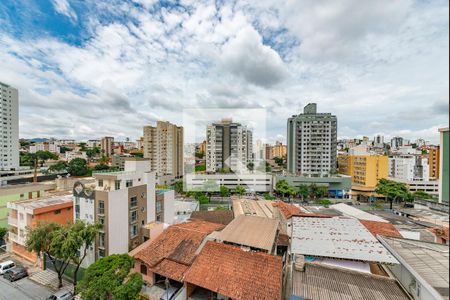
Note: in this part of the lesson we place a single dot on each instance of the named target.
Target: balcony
(17, 239)
(12, 221)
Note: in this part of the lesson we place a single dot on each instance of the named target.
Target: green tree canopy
(77, 167)
(421, 195)
(393, 190)
(224, 191)
(3, 232)
(240, 190)
(283, 188)
(179, 187)
(108, 278)
(93, 152)
(303, 191)
(60, 166)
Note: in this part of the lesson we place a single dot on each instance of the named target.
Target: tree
(303, 191)
(44, 239)
(202, 199)
(60, 166)
(35, 159)
(240, 190)
(3, 232)
(317, 191)
(200, 168)
(80, 237)
(63, 149)
(393, 190)
(108, 278)
(77, 167)
(179, 187)
(224, 191)
(324, 202)
(82, 146)
(282, 187)
(279, 161)
(101, 167)
(250, 166)
(421, 195)
(268, 196)
(93, 152)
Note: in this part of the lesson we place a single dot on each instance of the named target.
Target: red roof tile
(237, 274)
(288, 210)
(441, 232)
(173, 251)
(381, 228)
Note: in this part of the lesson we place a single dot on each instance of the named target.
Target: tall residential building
(434, 161)
(229, 145)
(45, 146)
(9, 127)
(444, 166)
(279, 150)
(163, 145)
(123, 201)
(397, 142)
(107, 145)
(311, 142)
(365, 171)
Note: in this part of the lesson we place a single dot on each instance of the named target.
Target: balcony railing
(17, 239)
(12, 221)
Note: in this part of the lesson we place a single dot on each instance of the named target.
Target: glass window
(129, 183)
(117, 184)
(101, 253)
(101, 207)
(158, 207)
(134, 216)
(133, 231)
(143, 269)
(100, 182)
(133, 201)
(57, 212)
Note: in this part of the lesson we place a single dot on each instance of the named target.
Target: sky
(91, 68)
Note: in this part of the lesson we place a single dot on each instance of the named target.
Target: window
(158, 207)
(101, 253)
(101, 207)
(101, 239)
(57, 212)
(133, 201)
(133, 231)
(143, 269)
(129, 183)
(100, 182)
(117, 184)
(134, 216)
(101, 221)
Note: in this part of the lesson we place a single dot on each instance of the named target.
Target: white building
(9, 127)
(123, 202)
(45, 146)
(430, 186)
(69, 155)
(228, 146)
(409, 167)
(93, 143)
(312, 142)
(257, 182)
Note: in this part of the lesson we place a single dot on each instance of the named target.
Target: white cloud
(63, 7)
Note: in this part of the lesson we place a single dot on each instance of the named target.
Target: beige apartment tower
(107, 144)
(163, 145)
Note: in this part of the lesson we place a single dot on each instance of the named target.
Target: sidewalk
(50, 279)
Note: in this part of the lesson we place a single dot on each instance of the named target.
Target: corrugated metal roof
(350, 211)
(338, 238)
(429, 261)
(251, 231)
(251, 207)
(323, 282)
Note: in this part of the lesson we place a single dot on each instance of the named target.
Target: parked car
(15, 274)
(61, 295)
(6, 265)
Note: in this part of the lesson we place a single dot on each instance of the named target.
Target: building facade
(163, 146)
(45, 146)
(229, 146)
(123, 202)
(409, 167)
(9, 127)
(28, 213)
(107, 145)
(257, 182)
(434, 161)
(365, 172)
(444, 166)
(312, 142)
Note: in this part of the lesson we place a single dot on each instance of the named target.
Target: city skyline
(102, 68)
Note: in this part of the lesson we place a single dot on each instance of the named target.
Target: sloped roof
(326, 282)
(173, 251)
(344, 238)
(251, 231)
(237, 274)
(381, 228)
(428, 262)
(216, 216)
(354, 212)
(288, 210)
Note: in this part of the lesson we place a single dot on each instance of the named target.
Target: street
(23, 289)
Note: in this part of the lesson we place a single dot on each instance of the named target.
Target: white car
(6, 265)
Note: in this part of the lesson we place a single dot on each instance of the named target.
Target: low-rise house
(441, 235)
(29, 213)
(252, 233)
(172, 252)
(318, 281)
(227, 272)
(249, 206)
(424, 267)
(381, 228)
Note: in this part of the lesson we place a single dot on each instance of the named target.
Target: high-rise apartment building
(409, 167)
(278, 150)
(123, 202)
(107, 145)
(9, 127)
(229, 146)
(434, 161)
(444, 166)
(397, 142)
(311, 142)
(163, 145)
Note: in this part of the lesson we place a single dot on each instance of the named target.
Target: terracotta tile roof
(288, 210)
(441, 232)
(173, 251)
(237, 274)
(381, 228)
(217, 216)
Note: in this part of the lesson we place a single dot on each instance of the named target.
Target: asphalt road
(23, 289)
